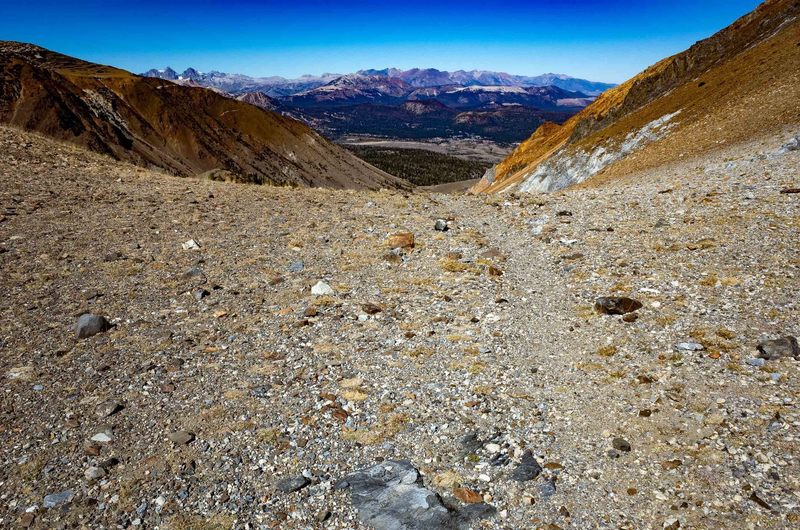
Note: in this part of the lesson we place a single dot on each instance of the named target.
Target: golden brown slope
(183, 130)
(745, 76)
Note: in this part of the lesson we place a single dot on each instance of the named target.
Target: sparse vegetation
(418, 166)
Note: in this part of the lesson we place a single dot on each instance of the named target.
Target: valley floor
(466, 149)
(412, 354)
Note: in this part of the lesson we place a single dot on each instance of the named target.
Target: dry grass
(195, 522)
(384, 430)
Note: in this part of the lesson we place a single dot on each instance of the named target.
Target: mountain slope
(737, 84)
(152, 122)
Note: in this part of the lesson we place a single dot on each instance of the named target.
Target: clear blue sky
(601, 40)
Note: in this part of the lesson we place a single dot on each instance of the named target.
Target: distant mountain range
(492, 105)
(416, 78)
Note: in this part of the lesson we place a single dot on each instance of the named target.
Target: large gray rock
(391, 496)
(791, 145)
(528, 469)
(57, 499)
(89, 325)
(292, 484)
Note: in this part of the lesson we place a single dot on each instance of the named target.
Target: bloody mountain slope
(737, 84)
(183, 130)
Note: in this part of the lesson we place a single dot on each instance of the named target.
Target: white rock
(191, 245)
(493, 448)
(322, 289)
(22, 373)
(101, 437)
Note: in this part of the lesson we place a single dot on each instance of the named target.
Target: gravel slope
(459, 355)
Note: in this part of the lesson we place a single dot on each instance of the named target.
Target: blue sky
(600, 40)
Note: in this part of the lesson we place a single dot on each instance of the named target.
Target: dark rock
(297, 266)
(390, 496)
(371, 309)
(89, 325)
(616, 305)
(499, 459)
(292, 484)
(761, 502)
(528, 469)
(620, 444)
(630, 317)
(109, 463)
(471, 443)
(778, 348)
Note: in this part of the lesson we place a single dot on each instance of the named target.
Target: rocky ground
(264, 346)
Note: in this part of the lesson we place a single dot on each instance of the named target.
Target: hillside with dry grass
(183, 130)
(742, 82)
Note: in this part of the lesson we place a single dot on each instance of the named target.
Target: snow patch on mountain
(497, 89)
